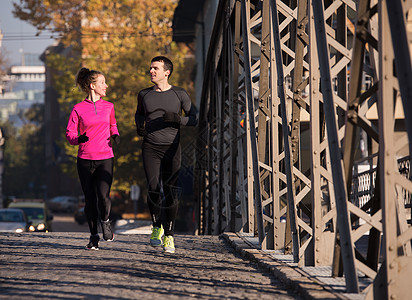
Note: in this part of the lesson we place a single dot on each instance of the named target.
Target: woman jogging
(94, 119)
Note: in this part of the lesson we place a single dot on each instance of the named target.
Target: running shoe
(93, 243)
(107, 230)
(156, 237)
(169, 244)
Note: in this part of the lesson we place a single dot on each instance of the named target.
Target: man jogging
(158, 119)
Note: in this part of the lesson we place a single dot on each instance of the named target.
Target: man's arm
(190, 118)
(139, 116)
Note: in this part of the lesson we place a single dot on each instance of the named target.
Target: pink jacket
(98, 121)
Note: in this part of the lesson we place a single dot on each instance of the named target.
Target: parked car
(80, 217)
(63, 204)
(13, 220)
(37, 213)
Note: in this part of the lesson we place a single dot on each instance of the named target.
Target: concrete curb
(293, 277)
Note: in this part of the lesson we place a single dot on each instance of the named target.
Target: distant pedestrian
(158, 118)
(92, 125)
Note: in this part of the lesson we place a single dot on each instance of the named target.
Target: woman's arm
(113, 123)
(72, 129)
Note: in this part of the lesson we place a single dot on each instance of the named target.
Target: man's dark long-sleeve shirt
(151, 108)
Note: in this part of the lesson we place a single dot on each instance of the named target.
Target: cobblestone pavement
(57, 266)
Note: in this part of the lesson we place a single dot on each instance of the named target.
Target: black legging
(96, 179)
(162, 164)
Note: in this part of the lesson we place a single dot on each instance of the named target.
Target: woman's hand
(116, 138)
(83, 138)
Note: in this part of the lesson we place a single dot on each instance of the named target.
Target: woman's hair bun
(85, 77)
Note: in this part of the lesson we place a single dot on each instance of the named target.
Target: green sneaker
(169, 244)
(156, 237)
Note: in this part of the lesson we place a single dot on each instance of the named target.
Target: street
(66, 223)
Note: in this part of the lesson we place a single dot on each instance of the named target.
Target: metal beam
(348, 255)
(286, 134)
(252, 129)
(247, 172)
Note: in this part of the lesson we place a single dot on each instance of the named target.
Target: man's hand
(141, 131)
(116, 138)
(171, 117)
(83, 138)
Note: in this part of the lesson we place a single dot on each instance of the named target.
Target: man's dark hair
(168, 65)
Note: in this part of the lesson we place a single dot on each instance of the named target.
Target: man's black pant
(96, 179)
(162, 164)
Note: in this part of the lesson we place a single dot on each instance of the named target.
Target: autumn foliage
(118, 38)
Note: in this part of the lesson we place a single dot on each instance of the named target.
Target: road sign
(134, 192)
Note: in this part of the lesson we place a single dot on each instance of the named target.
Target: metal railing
(364, 176)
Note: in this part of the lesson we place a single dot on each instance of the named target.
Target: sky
(19, 35)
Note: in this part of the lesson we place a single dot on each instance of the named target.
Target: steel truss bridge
(289, 86)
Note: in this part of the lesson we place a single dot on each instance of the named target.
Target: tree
(3, 68)
(24, 155)
(118, 38)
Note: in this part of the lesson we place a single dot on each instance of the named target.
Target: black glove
(83, 138)
(116, 138)
(141, 131)
(171, 117)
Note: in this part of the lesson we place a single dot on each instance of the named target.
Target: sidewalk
(131, 226)
(56, 265)
(311, 282)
